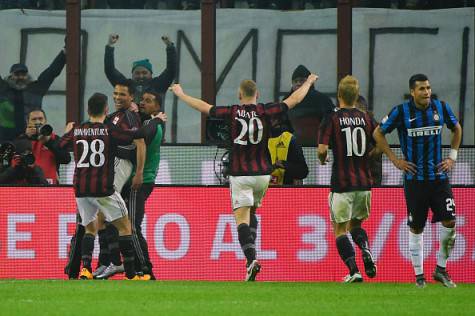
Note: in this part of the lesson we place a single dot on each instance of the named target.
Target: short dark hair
(129, 84)
(96, 104)
(416, 77)
(35, 110)
(158, 96)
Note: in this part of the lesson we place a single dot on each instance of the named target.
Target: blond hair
(248, 88)
(349, 90)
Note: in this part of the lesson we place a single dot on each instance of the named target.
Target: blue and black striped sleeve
(392, 120)
(449, 116)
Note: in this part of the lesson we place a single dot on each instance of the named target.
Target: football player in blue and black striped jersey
(419, 122)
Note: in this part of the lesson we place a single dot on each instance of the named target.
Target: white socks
(447, 242)
(416, 243)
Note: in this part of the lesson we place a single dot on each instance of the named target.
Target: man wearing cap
(142, 70)
(19, 94)
(307, 116)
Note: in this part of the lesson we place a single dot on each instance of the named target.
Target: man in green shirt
(149, 105)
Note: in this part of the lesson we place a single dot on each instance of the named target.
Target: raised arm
(48, 75)
(165, 79)
(195, 103)
(298, 95)
(113, 75)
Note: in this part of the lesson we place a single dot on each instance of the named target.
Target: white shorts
(248, 190)
(112, 206)
(349, 205)
(122, 171)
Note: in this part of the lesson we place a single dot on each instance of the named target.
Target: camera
(7, 150)
(43, 130)
(27, 159)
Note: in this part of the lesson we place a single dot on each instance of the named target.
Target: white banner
(388, 47)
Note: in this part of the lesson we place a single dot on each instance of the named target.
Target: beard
(19, 84)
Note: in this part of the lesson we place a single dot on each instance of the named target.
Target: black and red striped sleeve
(66, 140)
(326, 128)
(275, 108)
(121, 136)
(220, 112)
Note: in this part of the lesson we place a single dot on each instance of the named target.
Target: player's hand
(30, 131)
(405, 166)
(137, 181)
(161, 115)
(177, 89)
(133, 107)
(312, 78)
(324, 162)
(16, 161)
(113, 38)
(446, 165)
(166, 40)
(68, 127)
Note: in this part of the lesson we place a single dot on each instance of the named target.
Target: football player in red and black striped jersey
(349, 132)
(95, 147)
(250, 163)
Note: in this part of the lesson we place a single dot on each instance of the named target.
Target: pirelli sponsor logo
(424, 131)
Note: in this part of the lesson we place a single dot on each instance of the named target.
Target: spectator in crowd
(45, 145)
(17, 4)
(307, 116)
(19, 94)
(142, 72)
(21, 169)
(286, 154)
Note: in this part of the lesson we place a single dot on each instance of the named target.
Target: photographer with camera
(45, 145)
(18, 164)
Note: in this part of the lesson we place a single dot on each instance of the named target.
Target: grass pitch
(57, 297)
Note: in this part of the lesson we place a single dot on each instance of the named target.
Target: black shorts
(422, 195)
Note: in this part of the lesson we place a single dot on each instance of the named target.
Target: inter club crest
(436, 116)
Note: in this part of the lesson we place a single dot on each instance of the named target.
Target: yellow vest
(278, 149)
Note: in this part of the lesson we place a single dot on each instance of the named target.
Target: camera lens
(27, 159)
(46, 130)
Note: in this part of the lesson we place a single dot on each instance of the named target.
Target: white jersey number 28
(97, 151)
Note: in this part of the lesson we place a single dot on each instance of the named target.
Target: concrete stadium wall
(388, 46)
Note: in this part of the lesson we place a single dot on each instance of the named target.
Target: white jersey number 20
(250, 129)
